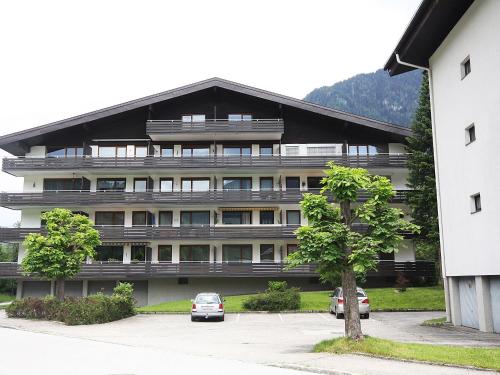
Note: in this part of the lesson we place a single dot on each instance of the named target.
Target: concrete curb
(314, 370)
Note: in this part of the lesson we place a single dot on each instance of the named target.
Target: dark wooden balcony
(17, 166)
(215, 129)
(201, 232)
(147, 270)
(147, 233)
(76, 198)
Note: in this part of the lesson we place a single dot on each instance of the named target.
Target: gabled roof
(428, 28)
(188, 89)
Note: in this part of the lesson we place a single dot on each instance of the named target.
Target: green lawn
(6, 297)
(435, 322)
(443, 354)
(387, 299)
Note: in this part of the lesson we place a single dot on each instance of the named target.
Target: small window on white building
(465, 67)
(475, 203)
(470, 134)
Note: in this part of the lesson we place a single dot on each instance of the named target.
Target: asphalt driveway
(271, 339)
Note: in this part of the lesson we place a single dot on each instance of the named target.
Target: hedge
(93, 309)
(277, 297)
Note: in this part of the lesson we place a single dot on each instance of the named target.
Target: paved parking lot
(274, 339)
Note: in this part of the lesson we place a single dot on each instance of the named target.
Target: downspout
(438, 185)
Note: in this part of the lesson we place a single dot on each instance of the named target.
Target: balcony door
(194, 253)
(237, 253)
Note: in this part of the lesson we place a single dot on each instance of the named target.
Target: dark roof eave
(184, 90)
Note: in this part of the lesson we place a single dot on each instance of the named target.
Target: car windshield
(207, 299)
(360, 294)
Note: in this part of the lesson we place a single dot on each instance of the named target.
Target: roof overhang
(14, 141)
(428, 28)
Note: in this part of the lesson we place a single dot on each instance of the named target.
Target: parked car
(207, 306)
(337, 303)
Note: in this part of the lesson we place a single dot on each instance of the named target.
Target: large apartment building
(196, 188)
(458, 42)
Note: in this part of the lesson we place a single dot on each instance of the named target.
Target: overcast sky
(64, 58)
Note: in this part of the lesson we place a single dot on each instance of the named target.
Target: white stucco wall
(470, 240)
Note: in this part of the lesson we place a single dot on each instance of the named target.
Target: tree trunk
(60, 289)
(352, 321)
(351, 306)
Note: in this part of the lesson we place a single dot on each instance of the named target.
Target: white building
(195, 188)
(459, 43)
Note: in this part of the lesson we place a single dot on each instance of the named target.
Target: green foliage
(374, 95)
(277, 297)
(8, 253)
(70, 239)
(331, 240)
(93, 309)
(421, 178)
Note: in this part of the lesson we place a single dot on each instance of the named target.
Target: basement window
(470, 134)
(475, 203)
(465, 67)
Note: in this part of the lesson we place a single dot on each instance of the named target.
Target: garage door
(36, 288)
(140, 292)
(495, 302)
(73, 288)
(468, 302)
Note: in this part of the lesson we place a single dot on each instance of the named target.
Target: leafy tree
(422, 180)
(347, 238)
(70, 239)
(8, 253)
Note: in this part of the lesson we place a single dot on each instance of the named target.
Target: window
(266, 183)
(112, 151)
(165, 253)
(236, 217)
(267, 253)
(166, 184)
(364, 150)
(64, 152)
(165, 218)
(139, 218)
(293, 217)
(476, 203)
(193, 118)
(239, 117)
(314, 183)
(237, 151)
(267, 217)
(386, 256)
(140, 151)
(140, 184)
(195, 217)
(167, 152)
(292, 150)
(138, 253)
(322, 150)
(109, 253)
(109, 218)
(465, 67)
(111, 184)
(53, 184)
(237, 183)
(291, 248)
(292, 183)
(266, 150)
(470, 134)
(195, 151)
(194, 253)
(195, 184)
(237, 253)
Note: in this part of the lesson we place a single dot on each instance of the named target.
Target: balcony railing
(201, 232)
(155, 127)
(84, 198)
(13, 165)
(147, 270)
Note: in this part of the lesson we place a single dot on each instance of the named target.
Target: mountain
(374, 95)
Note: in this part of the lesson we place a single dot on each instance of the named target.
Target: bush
(277, 297)
(93, 309)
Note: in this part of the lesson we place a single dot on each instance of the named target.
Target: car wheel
(222, 318)
(331, 311)
(366, 316)
(338, 315)
(193, 319)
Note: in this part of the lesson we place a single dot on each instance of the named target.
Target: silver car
(207, 306)
(337, 304)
